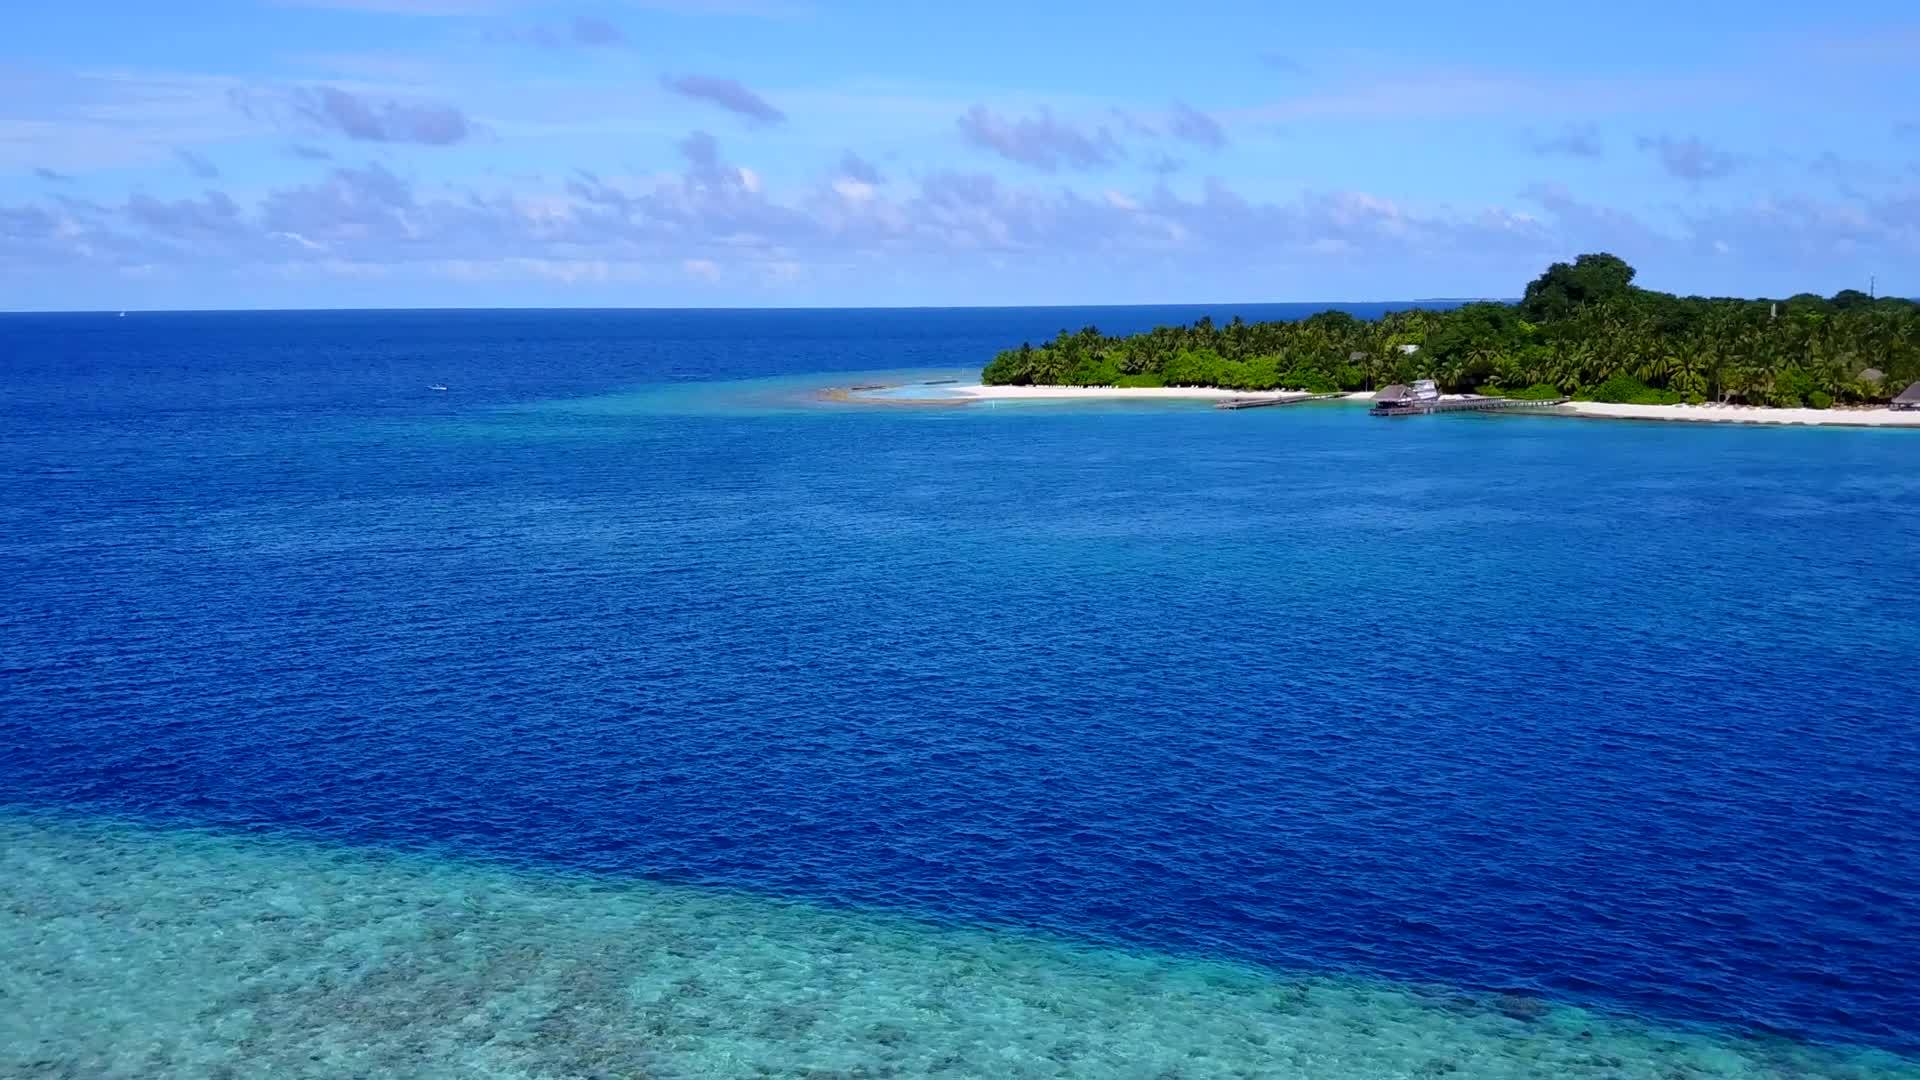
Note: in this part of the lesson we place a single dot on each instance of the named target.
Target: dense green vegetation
(1582, 328)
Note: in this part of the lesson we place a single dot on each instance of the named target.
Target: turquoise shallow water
(135, 952)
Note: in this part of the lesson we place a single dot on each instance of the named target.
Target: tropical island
(1581, 330)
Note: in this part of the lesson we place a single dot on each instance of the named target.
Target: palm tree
(1687, 369)
(1656, 367)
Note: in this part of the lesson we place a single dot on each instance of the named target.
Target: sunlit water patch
(751, 397)
(140, 953)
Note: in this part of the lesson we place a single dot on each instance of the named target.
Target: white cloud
(718, 221)
(854, 190)
(298, 239)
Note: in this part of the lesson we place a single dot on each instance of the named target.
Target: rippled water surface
(913, 736)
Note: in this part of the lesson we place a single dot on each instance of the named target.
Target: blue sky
(324, 153)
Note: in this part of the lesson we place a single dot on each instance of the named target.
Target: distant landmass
(1581, 329)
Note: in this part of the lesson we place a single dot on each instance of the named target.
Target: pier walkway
(1422, 408)
(1268, 401)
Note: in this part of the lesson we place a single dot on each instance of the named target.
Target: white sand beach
(1088, 393)
(1740, 414)
(951, 393)
(955, 393)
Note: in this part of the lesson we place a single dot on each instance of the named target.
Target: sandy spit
(1070, 393)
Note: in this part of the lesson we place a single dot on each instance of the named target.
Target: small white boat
(436, 386)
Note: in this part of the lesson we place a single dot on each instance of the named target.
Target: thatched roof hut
(1909, 399)
(1872, 375)
(1398, 392)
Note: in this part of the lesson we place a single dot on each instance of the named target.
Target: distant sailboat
(436, 386)
(123, 314)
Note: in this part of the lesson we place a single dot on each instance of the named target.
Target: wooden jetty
(1270, 401)
(1423, 400)
(1423, 408)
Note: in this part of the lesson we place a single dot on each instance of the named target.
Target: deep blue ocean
(1615, 714)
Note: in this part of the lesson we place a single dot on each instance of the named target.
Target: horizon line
(740, 307)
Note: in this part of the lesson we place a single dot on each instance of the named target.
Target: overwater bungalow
(1396, 394)
(1909, 399)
